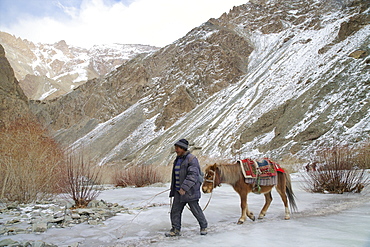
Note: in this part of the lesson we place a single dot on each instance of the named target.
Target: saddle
(262, 171)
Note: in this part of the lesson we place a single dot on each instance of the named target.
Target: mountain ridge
(46, 71)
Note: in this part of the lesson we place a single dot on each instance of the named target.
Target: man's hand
(182, 192)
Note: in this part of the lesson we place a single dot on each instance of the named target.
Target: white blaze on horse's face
(209, 181)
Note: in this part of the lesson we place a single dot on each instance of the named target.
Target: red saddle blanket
(263, 168)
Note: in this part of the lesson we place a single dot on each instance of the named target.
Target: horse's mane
(230, 173)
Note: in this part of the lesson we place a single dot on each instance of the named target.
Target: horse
(232, 174)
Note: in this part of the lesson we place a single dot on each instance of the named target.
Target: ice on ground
(322, 220)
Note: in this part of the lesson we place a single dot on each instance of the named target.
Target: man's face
(179, 151)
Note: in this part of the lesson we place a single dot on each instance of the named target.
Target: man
(185, 189)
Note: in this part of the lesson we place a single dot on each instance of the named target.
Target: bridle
(213, 184)
(213, 179)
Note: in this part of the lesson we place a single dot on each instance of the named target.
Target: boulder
(7, 242)
(40, 227)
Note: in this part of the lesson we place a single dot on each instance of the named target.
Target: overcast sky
(88, 22)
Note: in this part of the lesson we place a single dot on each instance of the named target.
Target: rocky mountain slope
(46, 71)
(13, 102)
(270, 78)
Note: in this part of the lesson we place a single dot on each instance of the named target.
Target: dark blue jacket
(189, 178)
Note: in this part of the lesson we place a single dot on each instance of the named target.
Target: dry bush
(338, 173)
(363, 156)
(29, 162)
(139, 176)
(83, 183)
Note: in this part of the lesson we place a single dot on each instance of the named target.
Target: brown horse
(232, 174)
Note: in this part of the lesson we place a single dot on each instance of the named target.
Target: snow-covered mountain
(270, 78)
(46, 71)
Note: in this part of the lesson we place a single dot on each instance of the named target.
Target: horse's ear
(214, 167)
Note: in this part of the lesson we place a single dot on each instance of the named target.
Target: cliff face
(269, 78)
(13, 102)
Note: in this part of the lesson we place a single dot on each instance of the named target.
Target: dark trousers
(178, 207)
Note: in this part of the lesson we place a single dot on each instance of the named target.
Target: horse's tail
(289, 192)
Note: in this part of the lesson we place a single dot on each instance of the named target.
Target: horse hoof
(240, 222)
(287, 218)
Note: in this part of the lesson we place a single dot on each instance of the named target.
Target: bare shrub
(363, 156)
(83, 181)
(29, 161)
(138, 176)
(338, 172)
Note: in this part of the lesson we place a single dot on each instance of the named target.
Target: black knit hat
(183, 143)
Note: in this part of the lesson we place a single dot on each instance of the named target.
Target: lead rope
(213, 186)
(205, 207)
(209, 200)
(149, 200)
(145, 207)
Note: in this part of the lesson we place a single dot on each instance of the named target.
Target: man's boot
(173, 233)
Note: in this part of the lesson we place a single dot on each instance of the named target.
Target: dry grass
(29, 162)
(363, 155)
(339, 171)
(139, 176)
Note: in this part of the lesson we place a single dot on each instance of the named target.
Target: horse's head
(211, 178)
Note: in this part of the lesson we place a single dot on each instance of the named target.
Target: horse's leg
(268, 200)
(243, 193)
(243, 205)
(281, 189)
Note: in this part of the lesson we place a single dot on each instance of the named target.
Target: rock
(40, 227)
(12, 206)
(93, 204)
(38, 243)
(13, 221)
(106, 213)
(42, 219)
(8, 242)
(93, 222)
(35, 214)
(85, 211)
(358, 54)
(68, 218)
(74, 245)
(57, 220)
(354, 24)
(75, 216)
(26, 244)
(59, 214)
(14, 230)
